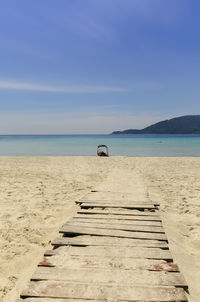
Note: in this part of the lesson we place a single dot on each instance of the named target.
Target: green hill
(188, 124)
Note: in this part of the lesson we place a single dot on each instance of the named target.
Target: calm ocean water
(126, 145)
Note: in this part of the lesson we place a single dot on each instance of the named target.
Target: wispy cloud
(84, 25)
(166, 13)
(8, 85)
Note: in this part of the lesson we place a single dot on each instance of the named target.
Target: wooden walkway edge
(109, 251)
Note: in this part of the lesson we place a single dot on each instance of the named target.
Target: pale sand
(38, 194)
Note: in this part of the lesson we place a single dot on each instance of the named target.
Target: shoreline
(38, 194)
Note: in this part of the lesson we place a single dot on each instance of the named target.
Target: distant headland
(188, 124)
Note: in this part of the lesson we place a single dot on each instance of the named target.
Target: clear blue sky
(94, 66)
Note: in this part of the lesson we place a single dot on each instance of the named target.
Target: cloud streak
(8, 85)
(85, 26)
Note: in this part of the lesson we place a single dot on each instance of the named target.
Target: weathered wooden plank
(116, 221)
(60, 289)
(56, 300)
(74, 300)
(66, 300)
(112, 233)
(107, 241)
(118, 202)
(114, 205)
(49, 253)
(111, 276)
(59, 300)
(128, 218)
(114, 262)
(114, 195)
(107, 191)
(115, 226)
(119, 212)
(127, 252)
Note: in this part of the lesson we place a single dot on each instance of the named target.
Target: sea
(86, 145)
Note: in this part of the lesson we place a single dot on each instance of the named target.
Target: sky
(95, 66)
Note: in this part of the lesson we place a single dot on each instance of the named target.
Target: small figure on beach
(102, 150)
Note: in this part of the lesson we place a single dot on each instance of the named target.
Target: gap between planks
(120, 213)
(114, 205)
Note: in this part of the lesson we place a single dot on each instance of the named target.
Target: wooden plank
(72, 300)
(114, 262)
(59, 300)
(107, 241)
(49, 253)
(116, 196)
(113, 205)
(133, 202)
(110, 276)
(116, 221)
(112, 233)
(56, 300)
(128, 218)
(120, 212)
(60, 289)
(127, 252)
(115, 226)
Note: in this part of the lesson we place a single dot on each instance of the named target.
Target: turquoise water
(126, 145)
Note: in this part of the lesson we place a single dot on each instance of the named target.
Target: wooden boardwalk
(111, 250)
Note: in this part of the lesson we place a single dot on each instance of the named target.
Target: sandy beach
(37, 196)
